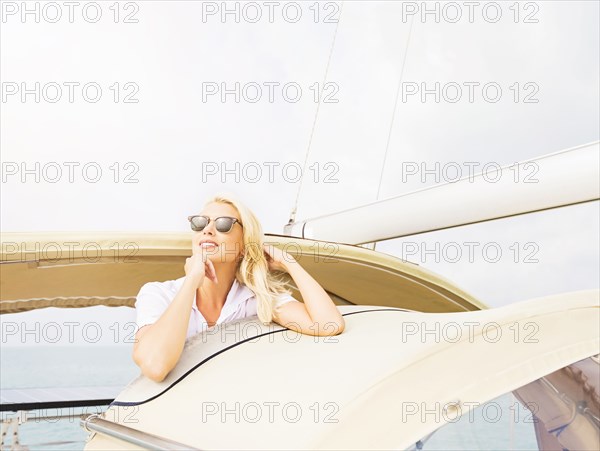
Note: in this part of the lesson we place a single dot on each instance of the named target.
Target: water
(62, 366)
(500, 424)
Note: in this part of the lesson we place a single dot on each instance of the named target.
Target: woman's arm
(318, 315)
(158, 346)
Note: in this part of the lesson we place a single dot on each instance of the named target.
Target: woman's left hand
(276, 258)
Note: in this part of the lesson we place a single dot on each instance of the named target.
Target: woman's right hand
(198, 266)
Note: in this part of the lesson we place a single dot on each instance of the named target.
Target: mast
(568, 177)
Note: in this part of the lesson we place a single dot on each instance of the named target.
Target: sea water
(62, 366)
(499, 424)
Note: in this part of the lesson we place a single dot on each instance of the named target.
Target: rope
(312, 132)
(389, 137)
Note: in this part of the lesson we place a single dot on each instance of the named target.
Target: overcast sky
(153, 120)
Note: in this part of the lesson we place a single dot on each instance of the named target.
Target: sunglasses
(223, 224)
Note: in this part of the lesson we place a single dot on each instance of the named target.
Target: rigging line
(389, 137)
(293, 213)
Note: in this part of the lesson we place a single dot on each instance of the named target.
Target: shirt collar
(238, 293)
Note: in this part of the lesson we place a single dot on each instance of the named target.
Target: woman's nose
(209, 228)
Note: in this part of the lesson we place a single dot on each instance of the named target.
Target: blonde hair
(253, 268)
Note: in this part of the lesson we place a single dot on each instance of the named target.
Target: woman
(226, 278)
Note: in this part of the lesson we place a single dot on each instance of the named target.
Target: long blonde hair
(253, 268)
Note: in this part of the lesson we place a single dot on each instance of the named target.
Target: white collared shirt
(154, 298)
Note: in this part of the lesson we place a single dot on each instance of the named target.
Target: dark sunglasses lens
(198, 223)
(224, 225)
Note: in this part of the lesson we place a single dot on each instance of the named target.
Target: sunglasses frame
(234, 221)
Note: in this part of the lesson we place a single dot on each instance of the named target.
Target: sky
(125, 118)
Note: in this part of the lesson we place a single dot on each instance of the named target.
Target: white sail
(559, 179)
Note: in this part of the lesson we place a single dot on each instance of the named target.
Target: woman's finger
(208, 271)
(212, 273)
(267, 248)
(195, 248)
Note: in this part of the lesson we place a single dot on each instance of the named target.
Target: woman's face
(230, 244)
